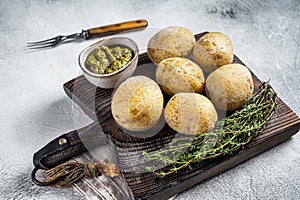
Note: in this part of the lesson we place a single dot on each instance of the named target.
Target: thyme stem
(229, 135)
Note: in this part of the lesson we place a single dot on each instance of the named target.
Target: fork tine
(37, 46)
(42, 41)
(41, 47)
(41, 44)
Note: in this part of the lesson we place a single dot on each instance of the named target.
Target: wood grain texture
(116, 28)
(145, 185)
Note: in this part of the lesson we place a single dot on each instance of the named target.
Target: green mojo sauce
(108, 59)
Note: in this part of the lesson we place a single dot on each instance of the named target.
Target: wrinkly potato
(190, 113)
(212, 51)
(176, 75)
(230, 86)
(137, 104)
(173, 41)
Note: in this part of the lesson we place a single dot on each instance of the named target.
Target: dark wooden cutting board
(95, 102)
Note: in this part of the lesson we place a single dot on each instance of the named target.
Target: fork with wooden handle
(85, 34)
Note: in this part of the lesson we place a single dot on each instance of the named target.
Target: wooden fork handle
(116, 28)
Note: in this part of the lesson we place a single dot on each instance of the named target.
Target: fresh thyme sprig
(229, 135)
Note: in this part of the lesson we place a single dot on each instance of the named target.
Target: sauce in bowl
(108, 59)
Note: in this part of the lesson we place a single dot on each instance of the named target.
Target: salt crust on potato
(137, 104)
(212, 51)
(176, 75)
(173, 41)
(229, 87)
(190, 113)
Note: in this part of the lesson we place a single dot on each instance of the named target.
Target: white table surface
(34, 108)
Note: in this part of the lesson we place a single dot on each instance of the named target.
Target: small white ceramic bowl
(111, 79)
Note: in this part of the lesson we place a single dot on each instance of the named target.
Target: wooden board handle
(68, 145)
(113, 28)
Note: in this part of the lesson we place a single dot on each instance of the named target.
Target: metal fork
(85, 34)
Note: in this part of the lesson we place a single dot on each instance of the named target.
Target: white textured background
(35, 110)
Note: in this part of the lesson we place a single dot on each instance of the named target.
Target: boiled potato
(213, 50)
(230, 86)
(190, 113)
(137, 104)
(173, 41)
(176, 75)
